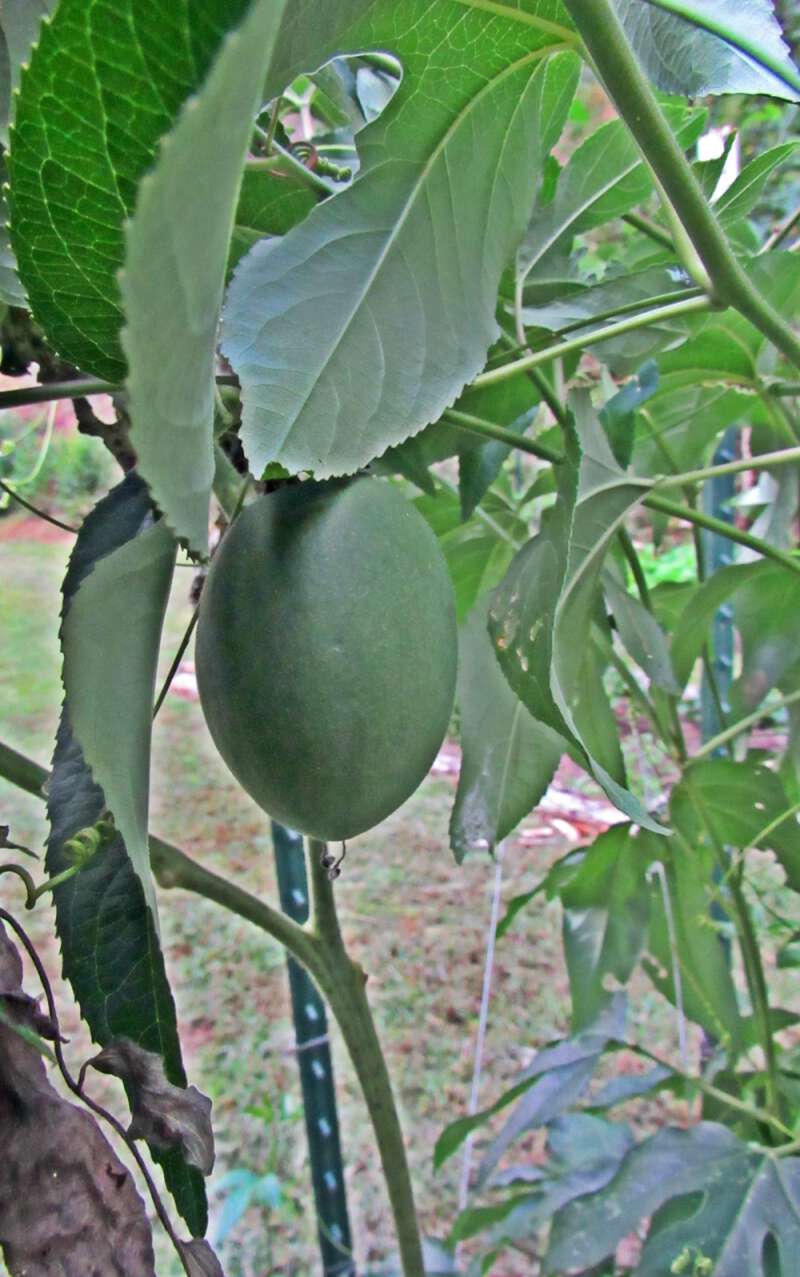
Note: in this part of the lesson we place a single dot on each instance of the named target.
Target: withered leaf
(68, 1206)
(200, 1259)
(165, 1115)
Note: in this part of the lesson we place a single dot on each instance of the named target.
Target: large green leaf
(584, 1153)
(175, 262)
(508, 759)
(362, 325)
(105, 83)
(107, 929)
(695, 47)
(606, 902)
(541, 615)
(744, 1195)
(556, 1080)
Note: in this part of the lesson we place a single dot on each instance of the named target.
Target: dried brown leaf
(200, 1259)
(162, 1114)
(68, 1206)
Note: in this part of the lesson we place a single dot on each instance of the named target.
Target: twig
(650, 229)
(674, 310)
(40, 514)
(743, 725)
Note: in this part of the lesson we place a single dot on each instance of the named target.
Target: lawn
(415, 920)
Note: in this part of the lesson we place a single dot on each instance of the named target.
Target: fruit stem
(343, 983)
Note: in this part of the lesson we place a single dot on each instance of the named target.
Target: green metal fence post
(316, 1071)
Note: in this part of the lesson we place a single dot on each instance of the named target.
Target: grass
(414, 920)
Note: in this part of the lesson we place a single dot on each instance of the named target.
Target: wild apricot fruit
(326, 653)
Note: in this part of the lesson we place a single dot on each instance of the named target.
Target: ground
(415, 920)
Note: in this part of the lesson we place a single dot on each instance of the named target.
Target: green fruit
(326, 653)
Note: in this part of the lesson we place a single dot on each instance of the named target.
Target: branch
(687, 306)
(653, 501)
(173, 868)
(630, 90)
(80, 388)
(676, 511)
(488, 430)
(765, 461)
(40, 514)
(743, 725)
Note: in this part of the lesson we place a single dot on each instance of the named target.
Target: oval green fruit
(326, 653)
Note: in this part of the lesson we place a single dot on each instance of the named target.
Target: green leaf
(604, 179)
(593, 712)
(20, 21)
(606, 910)
(765, 608)
(395, 278)
(618, 413)
(479, 467)
(508, 759)
(744, 193)
(623, 354)
(726, 347)
(744, 1194)
(105, 83)
(693, 630)
(558, 1075)
(109, 942)
(114, 610)
(677, 429)
(641, 634)
(585, 1153)
(269, 204)
(542, 612)
(709, 994)
(503, 403)
(477, 552)
(695, 47)
(176, 253)
(744, 804)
